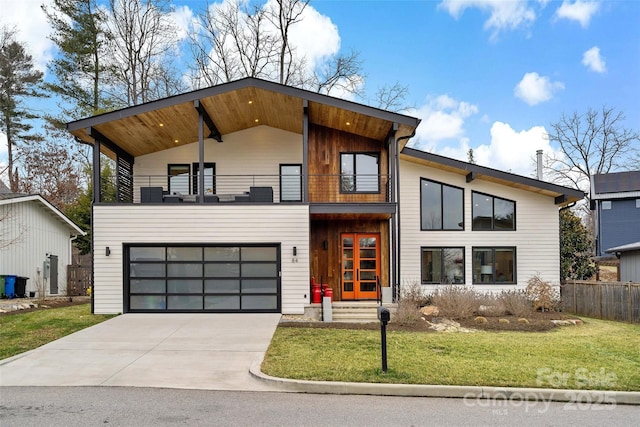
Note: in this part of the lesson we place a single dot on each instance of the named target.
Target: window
(359, 173)
(442, 265)
(179, 178)
(441, 206)
(209, 178)
(494, 265)
(606, 204)
(493, 213)
(290, 183)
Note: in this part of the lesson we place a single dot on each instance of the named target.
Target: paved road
(117, 406)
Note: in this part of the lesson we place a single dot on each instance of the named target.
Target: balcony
(184, 188)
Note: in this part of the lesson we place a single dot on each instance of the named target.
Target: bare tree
(595, 142)
(143, 40)
(52, 168)
(391, 97)
(239, 39)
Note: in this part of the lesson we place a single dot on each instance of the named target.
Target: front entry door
(360, 265)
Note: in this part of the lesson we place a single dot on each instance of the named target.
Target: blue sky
(484, 74)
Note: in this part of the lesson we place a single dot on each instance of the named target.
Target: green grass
(21, 332)
(597, 355)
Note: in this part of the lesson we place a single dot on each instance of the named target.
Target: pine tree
(18, 80)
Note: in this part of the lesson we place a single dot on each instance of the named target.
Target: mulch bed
(538, 322)
(53, 302)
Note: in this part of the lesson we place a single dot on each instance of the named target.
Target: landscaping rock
(567, 322)
(430, 310)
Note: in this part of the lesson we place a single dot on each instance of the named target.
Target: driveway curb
(468, 393)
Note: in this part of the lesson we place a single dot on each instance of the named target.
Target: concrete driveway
(196, 351)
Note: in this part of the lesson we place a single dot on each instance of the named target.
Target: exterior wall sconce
(295, 251)
(325, 245)
(107, 251)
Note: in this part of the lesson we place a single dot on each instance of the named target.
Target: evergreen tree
(18, 80)
(576, 248)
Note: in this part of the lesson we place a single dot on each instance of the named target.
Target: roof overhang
(48, 207)
(234, 106)
(624, 248)
(562, 195)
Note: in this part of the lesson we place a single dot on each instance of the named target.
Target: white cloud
(183, 18)
(504, 14)
(509, 150)
(534, 88)
(593, 61)
(581, 11)
(442, 119)
(33, 29)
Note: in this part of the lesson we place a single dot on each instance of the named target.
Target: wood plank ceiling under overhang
(247, 107)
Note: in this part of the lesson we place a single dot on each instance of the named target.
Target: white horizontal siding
(34, 231)
(117, 225)
(536, 237)
(256, 151)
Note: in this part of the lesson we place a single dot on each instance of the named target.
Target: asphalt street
(131, 406)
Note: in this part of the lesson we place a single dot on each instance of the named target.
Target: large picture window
(494, 265)
(441, 206)
(493, 213)
(359, 173)
(442, 265)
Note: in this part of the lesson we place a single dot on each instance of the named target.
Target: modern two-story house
(615, 201)
(231, 198)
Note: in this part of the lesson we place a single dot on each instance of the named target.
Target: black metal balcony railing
(227, 188)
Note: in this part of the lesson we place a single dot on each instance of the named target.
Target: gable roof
(14, 198)
(233, 106)
(563, 195)
(3, 188)
(615, 185)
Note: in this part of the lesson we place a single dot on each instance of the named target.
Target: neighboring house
(35, 242)
(231, 198)
(615, 200)
(629, 256)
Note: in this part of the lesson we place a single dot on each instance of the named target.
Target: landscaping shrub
(516, 303)
(456, 302)
(544, 296)
(412, 297)
(491, 305)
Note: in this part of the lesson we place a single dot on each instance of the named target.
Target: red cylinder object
(328, 292)
(316, 293)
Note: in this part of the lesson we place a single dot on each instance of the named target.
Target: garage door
(188, 278)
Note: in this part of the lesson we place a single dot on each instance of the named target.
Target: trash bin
(2, 285)
(10, 286)
(21, 286)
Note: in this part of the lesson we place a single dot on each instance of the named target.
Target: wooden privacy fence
(604, 300)
(79, 275)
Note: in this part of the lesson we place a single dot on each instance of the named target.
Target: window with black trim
(494, 265)
(492, 213)
(209, 178)
(179, 178)
(441, 206)
(360, 172)
(291, 183)
(442, 265)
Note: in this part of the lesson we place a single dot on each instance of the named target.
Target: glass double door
(360, 265)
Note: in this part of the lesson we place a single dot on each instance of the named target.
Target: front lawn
(21, 332)
(599, 354)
